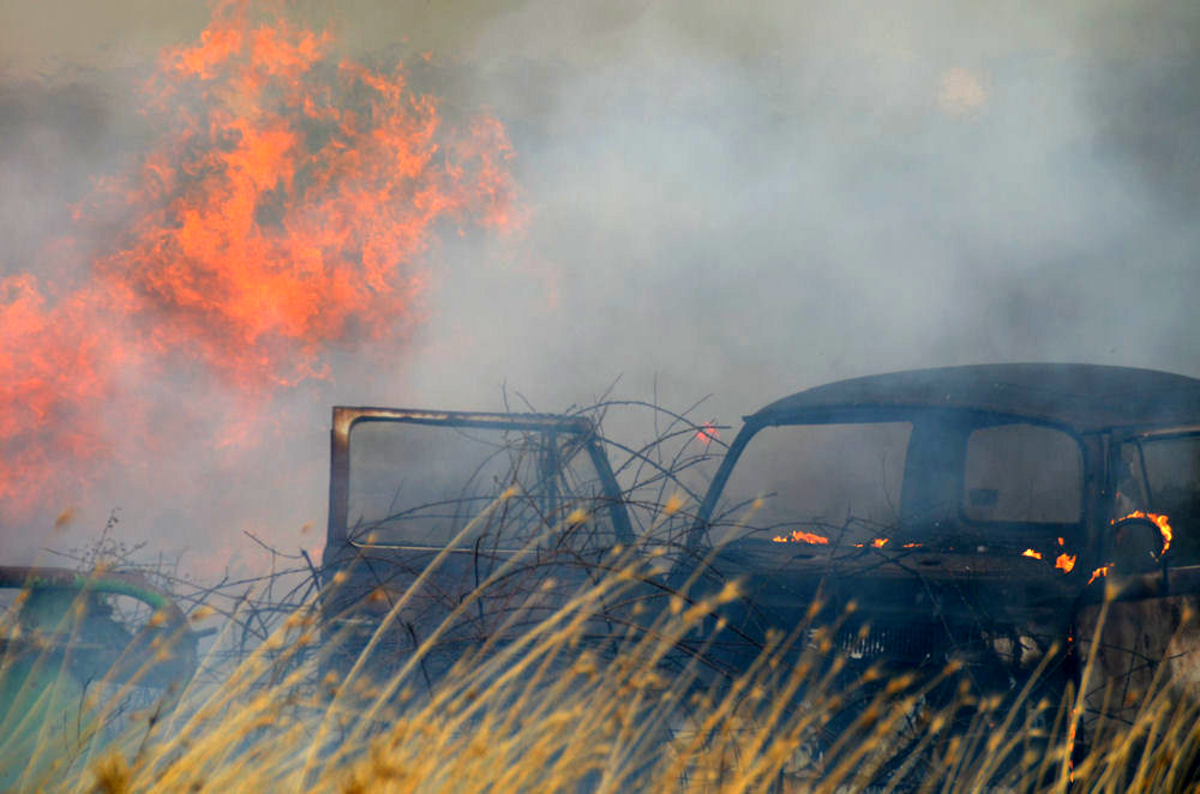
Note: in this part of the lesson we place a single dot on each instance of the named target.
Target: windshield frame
(346, 417)
(857, 414)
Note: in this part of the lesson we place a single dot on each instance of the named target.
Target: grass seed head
(674, 504)
(112, 775)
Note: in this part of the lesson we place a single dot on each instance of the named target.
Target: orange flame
(282, 210)
(1159, 520)
(53, 384)
(279, 215)
(877, 543)
(1102, 571)
(798, 536)
(1065, 562)
(1037, 555)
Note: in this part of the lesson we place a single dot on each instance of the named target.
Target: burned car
(974, 512)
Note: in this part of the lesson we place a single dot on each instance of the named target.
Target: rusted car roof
(1085, 397)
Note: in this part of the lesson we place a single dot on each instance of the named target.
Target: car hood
(985, 583)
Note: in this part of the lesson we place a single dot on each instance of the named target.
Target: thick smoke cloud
(741, 200)
(751, 202)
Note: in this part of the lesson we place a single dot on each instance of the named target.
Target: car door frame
(338, 539)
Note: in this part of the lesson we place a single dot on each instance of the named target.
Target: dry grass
(550, 704)
(549, 709)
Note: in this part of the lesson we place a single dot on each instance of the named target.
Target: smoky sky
(740, 200)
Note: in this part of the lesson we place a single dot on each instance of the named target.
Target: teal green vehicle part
(60, 642)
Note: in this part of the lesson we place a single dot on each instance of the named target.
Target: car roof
(1085, 397)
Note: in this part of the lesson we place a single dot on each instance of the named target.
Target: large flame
(55, 375)
(288, 206)
(282, 210)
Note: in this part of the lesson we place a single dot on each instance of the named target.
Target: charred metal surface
(1086, 397)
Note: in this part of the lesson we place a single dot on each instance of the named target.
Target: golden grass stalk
(548, 708)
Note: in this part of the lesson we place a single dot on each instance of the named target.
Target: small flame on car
(1063, 562)
(879, 543)
(798, 536)
(1160, 520)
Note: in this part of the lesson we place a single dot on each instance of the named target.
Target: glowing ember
(797, 536)
(1159, 520)
(281, 210)
(707, 433)
(879, 543)
(1060, 542)
(1037, 555)
(1096, 574)
(911, 546)
(1065, 562)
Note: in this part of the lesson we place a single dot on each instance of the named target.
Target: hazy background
(740, 200)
